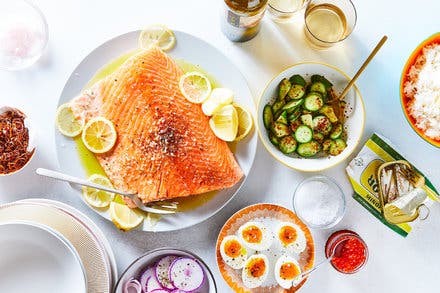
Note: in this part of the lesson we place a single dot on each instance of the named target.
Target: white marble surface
(76, 27)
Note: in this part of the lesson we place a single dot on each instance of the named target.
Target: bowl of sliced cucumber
(303, 123)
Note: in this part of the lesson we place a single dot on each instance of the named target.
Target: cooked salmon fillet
(165, 148)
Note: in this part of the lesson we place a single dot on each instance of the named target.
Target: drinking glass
(284, 10)
(23, 34)
(328, 22)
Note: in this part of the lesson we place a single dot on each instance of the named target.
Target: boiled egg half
(291, 237)
(233, 252)
(255, 236)
(255, 271)
(286, 270)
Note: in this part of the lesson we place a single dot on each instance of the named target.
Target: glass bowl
(23, 34)
(138, 266)
(319, 202)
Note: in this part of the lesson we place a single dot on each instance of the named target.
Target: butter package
(377, 157)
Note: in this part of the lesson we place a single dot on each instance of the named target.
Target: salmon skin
(165, 147)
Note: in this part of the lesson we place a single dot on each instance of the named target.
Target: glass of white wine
(328, 22)
(284, 10)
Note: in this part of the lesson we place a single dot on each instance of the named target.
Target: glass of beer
(328, 22)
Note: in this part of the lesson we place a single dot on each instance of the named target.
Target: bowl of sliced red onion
(167, 270)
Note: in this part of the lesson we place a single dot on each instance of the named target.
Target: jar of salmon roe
(351, 252)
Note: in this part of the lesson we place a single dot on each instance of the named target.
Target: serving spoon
(363, 66)
(155, 208)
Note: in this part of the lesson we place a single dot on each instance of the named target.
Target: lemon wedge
(95, 197)
(99, 135)
(218, 98)
(245, 122)
(224, 123)
(157, 35)
(195, 87)
(123, 217)
(66, 121)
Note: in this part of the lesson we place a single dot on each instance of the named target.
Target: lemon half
(195, 87)
(66, 121)
(95, 197)
(245, 122)
(224, 123)
(99, 135)
(157, 35)
(123, 217)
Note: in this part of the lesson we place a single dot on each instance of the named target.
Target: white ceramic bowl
(139, 265)
(32, 136)
(354, 123)
(36, 258)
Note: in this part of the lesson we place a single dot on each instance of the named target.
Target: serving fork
(160, 208)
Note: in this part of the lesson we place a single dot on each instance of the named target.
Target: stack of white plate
(47, 246)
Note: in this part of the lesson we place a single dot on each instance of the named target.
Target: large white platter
(190, 49)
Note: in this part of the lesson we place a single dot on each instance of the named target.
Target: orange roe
(351, 255)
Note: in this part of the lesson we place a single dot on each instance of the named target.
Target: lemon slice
(67, 123)
(245, 121)
(218, 98)
(123, 217)
(224, 123)
(95, 197)
(157, 35)
(195, 87)
(99, 135)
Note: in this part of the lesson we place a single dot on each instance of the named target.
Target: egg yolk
(287, 235)
(289, 271)
(233, 248)
(256, 267)
(252, 234)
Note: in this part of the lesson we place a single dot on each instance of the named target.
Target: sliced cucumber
(294, 115)
(337, 131)
(287, 144)
(329, 113)
(297, 79)
(337, 146)
(308, 149)
(273, 139)
(307, 119)
(326, 144)
(303, 134)
(282, 118)
(296, 92)
(277, 106)
(313, 101)
(280, 130)
(318, 87)
(267, 116)
(295, 124)
(283, 88)
(322, 125)
(319, 137)
(292, 105)
(322, 79)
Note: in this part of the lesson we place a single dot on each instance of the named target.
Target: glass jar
(351, 252)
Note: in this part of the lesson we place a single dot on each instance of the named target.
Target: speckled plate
(258, 211)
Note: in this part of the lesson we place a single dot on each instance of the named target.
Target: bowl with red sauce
(16, 141)
(351, 252)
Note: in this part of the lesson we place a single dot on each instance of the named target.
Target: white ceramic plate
(139, 265)
(91, 245)
(190, 49)
(36, 258)
(354, 123)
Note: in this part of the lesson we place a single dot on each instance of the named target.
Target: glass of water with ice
(23, 34)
